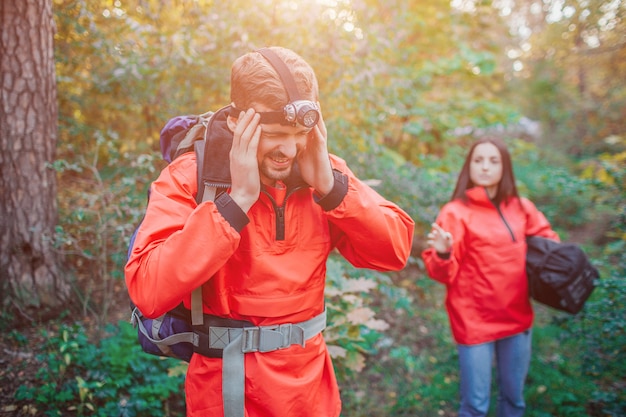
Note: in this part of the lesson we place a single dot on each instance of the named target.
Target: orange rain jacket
(251, 272)
(485, 276)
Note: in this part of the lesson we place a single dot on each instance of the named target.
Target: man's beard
(275, 174)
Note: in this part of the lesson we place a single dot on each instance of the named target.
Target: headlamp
(297, 111)
(303, 112)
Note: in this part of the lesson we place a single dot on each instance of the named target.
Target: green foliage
(426, 78)
(602, 327)
(571, 79)
(581, 358)
(113, 378)
(412, 370)
(397, 87)
(420, 191)
(101, 206)
(555, 385)
(352, 330)
(561, 195)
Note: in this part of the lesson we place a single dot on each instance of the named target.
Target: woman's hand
(439, 239)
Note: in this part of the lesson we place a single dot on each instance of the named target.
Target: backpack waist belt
(241, 338)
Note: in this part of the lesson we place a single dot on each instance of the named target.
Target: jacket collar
(479, 195)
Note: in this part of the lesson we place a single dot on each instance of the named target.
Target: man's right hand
(244, 166)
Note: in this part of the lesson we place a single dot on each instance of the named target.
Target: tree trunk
(29, 268)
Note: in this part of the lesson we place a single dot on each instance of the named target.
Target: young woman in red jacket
(477, 248)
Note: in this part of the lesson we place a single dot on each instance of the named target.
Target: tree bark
(29, 266)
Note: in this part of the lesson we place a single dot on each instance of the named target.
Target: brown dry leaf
(360, 315)
(332, 292)
(359, 285)
(356, 362)
(336, 351)
(380, 325)
(352, 299)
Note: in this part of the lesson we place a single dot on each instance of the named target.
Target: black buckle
(204, 335)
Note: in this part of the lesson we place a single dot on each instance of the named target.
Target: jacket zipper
(280, 213)
(280, 222)
(506, 224)
(503, 218)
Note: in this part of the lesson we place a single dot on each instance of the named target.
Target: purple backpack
(208, 135)
(175, 131)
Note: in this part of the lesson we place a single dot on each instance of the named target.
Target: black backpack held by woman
(559, 274)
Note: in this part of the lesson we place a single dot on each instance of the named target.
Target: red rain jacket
(249, 274)
(485, 276)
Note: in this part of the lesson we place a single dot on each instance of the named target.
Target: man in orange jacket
(259, 250)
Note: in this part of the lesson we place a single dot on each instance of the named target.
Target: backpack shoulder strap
(199, 149)
(203, 193)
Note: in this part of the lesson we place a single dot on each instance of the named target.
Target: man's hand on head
(314, 160)
(244, 167)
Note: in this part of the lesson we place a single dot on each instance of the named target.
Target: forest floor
(21, 345)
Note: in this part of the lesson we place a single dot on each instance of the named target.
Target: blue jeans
(512, 358)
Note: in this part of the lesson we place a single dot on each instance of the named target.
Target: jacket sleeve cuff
(443, 256)
(331, 200)
(231, 212)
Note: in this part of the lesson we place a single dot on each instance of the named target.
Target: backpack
(559, 274)
(172, 333)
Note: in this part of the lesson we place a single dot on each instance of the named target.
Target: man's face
(278, 148)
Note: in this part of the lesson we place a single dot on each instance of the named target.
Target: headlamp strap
(283, 72)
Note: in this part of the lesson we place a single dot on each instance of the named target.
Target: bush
(561, 195)
(114, 378)
(602, 328)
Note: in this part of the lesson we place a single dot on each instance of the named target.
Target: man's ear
(231, 122)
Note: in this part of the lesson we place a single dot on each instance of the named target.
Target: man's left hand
(314, 161)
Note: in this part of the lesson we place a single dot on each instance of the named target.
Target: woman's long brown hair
(506, 187)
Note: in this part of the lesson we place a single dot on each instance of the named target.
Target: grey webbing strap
(233, 379)
(256, 339)
(197, 318)
(156, 326)
(209, 193)
(162, 344)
